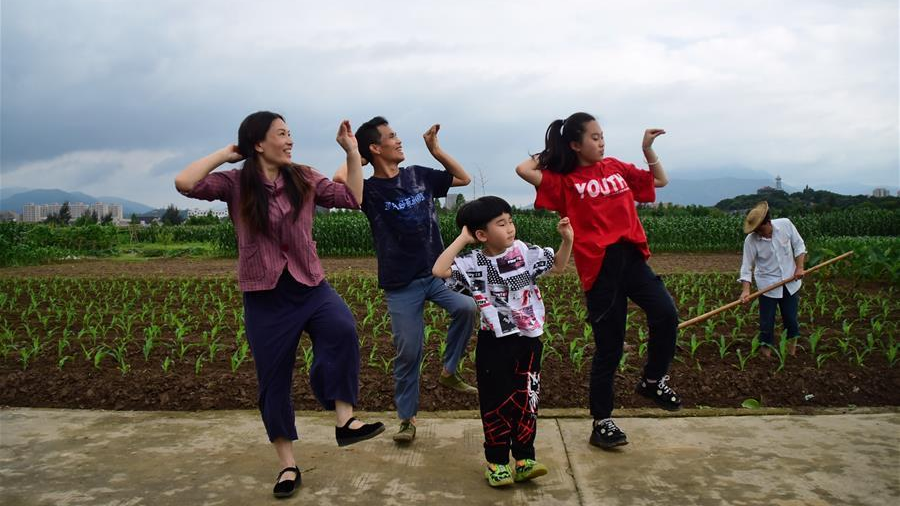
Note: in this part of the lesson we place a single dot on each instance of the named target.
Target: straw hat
(755, 216)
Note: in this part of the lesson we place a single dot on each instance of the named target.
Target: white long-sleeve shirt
(772, 260)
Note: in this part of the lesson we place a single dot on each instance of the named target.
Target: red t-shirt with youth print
(599, 200)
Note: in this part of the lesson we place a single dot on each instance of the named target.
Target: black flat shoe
(286, 488)
(347, 436)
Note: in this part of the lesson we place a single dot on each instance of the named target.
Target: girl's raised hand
(564, 227)
(650, 135)
(231, 154)
(345, 137)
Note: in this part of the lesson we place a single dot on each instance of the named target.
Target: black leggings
(625, 275)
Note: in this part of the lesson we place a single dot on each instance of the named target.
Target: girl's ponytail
(557, 155)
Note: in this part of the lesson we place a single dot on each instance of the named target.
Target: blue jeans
(407, 307)
(787, 303)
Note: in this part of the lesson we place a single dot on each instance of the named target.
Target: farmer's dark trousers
(274, 320)
(787, 304)
(508, 370)
(625, 275)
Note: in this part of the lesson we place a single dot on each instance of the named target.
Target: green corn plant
(814, 337)
(822, 358)
(212, 347)
(723, 346)
(876, 325)
(61, 361)
(742, 359)
(167, 364)
(63, 344)
(306, 365)
(695, 344)
(239, 356)
(844, 344)
(781, 352)
(863, 308)
(386, 364)
(859, 355)
(846, 327)
(623, 362)
(424, 361)
(119, 353)
(709, 330)
(7, 341)
(27, 353)
(151, 333)
(429, 331)
(373, 356)
(548, 350)
(587, 333)
(198, 365)
(642, 349)
(99, 353)
(754, 346)
(564, 328)
(890, 353)
(442, 347)
(577, 358)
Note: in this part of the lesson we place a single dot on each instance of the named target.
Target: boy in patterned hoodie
(501, 278)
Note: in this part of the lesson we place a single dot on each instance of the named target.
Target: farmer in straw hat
(773, 252)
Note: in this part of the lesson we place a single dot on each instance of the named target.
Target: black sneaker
(660, 393)
(607, 435)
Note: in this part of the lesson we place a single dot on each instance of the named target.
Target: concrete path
(74, 457)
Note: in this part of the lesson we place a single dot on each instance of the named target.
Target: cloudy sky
(114, 97)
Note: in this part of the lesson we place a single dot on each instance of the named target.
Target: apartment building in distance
(39, 212)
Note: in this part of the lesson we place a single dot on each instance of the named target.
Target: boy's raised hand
(564, 227)
(466, 236)
(430, 136)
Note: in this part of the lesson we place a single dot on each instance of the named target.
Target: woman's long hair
(558, 155)
(254, 197)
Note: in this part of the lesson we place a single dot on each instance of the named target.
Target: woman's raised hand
(345, 137)
(231, 154)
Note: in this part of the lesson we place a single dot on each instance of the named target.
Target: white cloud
(806, 88)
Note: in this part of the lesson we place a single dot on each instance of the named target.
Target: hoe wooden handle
(756, 294)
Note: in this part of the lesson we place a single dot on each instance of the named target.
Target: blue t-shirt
(404, 225)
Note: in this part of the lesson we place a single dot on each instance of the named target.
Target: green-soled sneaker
(406, 433)
(498, 475)
(529, 469)
(455, 382)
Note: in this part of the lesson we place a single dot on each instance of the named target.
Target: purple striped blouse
(261, 260)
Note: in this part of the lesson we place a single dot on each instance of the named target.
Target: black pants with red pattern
(509, 384)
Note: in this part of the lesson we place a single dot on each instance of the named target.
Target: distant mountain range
(15, 198)
(685, 187)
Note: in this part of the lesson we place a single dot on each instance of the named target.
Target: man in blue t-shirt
(399, 203)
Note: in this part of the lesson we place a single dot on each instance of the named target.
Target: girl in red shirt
(598, 195)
